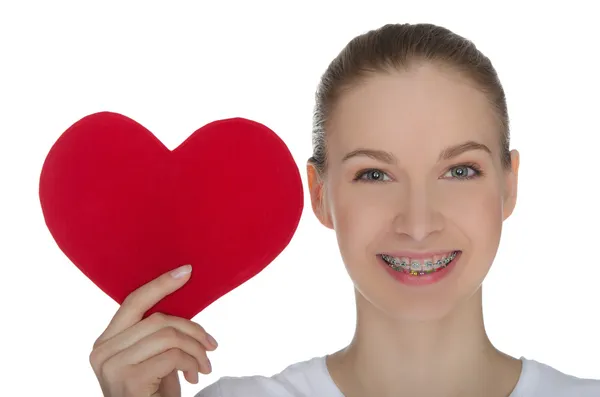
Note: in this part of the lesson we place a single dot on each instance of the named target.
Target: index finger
(143, 299)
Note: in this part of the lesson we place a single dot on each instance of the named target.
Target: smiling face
(414, 168)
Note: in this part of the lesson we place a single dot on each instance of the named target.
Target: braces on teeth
(415, 268)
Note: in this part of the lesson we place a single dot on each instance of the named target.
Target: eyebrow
(446, 154)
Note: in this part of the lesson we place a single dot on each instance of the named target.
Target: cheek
(478, 214)
(358, 218)
(364, 216)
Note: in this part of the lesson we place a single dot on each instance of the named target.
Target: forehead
(426, 105)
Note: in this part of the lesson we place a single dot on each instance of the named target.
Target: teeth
(428, 265)
(419, 266)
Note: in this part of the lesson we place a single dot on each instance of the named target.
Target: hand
(136, 357)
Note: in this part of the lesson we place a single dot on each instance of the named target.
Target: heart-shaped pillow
(125, 209)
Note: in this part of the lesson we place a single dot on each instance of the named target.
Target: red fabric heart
(125, 209)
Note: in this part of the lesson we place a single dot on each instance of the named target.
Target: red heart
(125, 209)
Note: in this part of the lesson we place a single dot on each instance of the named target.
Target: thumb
(144, 298)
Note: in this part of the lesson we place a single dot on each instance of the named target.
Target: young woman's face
(430, 186)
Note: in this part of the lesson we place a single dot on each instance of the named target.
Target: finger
(143, 299)
(149, 326)
(170, 386)
(160, 342)
(161, 366)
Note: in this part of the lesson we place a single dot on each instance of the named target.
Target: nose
(418, 215)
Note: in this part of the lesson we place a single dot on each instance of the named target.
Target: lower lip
(426, 279)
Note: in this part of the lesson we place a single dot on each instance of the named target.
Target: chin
(413, 310)
(381, 293)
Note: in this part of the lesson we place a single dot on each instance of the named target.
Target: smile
(419, 267)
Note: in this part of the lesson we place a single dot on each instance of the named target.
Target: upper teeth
(432, 263)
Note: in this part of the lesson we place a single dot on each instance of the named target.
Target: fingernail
(182, 271)
(212, 340)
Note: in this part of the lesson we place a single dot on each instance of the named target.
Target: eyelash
(478, 172)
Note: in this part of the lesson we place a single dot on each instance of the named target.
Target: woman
(413, 171)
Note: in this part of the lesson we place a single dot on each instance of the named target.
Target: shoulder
(539, 379)
(304, 378)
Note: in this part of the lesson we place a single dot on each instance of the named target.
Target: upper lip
(418, 255)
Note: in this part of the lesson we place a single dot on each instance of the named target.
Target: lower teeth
(418, 273)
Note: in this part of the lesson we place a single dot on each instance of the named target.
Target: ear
(511, 184)
(317, 196)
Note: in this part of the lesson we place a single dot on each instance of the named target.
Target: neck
(451, 356)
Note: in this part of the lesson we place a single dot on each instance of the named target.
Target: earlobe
(315, 186)
(511, 186)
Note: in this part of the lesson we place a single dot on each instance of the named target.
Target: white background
(174, 66)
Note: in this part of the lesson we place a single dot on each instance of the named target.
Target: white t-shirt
(311, 379)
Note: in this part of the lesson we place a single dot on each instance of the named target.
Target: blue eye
(372, 175)
(465, 171)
